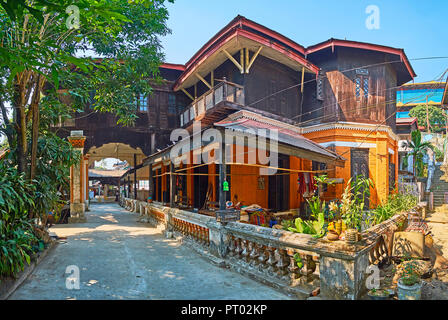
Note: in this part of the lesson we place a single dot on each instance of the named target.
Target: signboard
(76, 133)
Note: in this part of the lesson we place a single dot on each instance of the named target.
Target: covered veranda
(262, 161)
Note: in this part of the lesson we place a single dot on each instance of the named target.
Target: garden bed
(9, 285)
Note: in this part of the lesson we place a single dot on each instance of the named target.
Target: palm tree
(418, 150)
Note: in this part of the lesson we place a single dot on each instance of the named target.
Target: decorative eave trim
(350, 126)
(262, 119)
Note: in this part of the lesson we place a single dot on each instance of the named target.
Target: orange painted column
(382, 181)
(294, 195)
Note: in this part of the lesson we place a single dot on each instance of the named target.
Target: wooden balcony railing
(224, 91)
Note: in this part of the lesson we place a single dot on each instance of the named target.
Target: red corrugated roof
(403, 121)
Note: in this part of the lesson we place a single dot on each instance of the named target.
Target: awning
(291, 142)
(245, 123)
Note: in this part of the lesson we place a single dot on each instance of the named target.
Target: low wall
(292, 262)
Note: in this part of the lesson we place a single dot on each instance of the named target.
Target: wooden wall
(340, 99)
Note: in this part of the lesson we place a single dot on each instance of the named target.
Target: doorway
(200, 186)
(278, 185)
(359, 163)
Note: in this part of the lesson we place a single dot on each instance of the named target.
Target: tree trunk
(19, 105)
(35, 126)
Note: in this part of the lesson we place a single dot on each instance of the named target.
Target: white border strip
(348, 144)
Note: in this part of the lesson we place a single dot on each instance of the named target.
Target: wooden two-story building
(332, 104)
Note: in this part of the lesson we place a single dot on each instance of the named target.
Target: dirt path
(119, 258)
(437, 287)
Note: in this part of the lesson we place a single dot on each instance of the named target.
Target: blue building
(415, 94)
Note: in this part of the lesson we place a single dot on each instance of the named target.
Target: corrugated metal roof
(285, 135)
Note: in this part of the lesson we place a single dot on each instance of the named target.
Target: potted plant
(352, 205)
(409, 286)
(378, 294)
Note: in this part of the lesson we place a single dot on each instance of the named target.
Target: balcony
(216, 102)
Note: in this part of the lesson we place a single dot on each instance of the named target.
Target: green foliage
(56, 156)
(418, 151)
(16, 232)
(353, 201)
(438, 154)
(298, 260)
(315, 227)
(395, 204)
(410, 275)
(286, 224)
(436, 117)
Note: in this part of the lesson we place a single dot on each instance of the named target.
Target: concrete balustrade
(292, 262)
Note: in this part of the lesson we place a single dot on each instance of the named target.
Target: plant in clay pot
(409, 286)
(378, 294)
(353, 205)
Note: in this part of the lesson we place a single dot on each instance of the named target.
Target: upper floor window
(172, 104)
(357, 88)
(142, 103)
(366, 87)
(361, 83)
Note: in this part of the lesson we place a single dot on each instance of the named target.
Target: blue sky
(419, 27)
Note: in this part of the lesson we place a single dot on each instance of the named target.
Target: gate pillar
(77, 181)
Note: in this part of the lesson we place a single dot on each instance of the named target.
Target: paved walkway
(120, 258)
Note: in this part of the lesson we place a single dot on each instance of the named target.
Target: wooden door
(359, 160)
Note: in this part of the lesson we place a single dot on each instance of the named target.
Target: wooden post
(247, 61)
(151, 183)
(119, 191)
(224, 89)
(129, 186)
(172, 184)
(242, 60)
(135, 176)
(222, 177)
(303, 75)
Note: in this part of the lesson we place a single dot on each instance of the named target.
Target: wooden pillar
(172, 184)
(135, 176)
(151, 183)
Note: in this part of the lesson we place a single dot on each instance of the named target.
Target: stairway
(439, 187)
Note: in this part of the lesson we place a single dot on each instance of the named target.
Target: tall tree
(432, 114)
(41, 50)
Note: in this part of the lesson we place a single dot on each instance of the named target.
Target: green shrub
(395, 203)
(16, 232)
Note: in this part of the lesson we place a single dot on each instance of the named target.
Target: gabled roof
(173, 66)
(250, 34)
(408, 71)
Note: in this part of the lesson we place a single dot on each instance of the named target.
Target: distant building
(417, 94)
